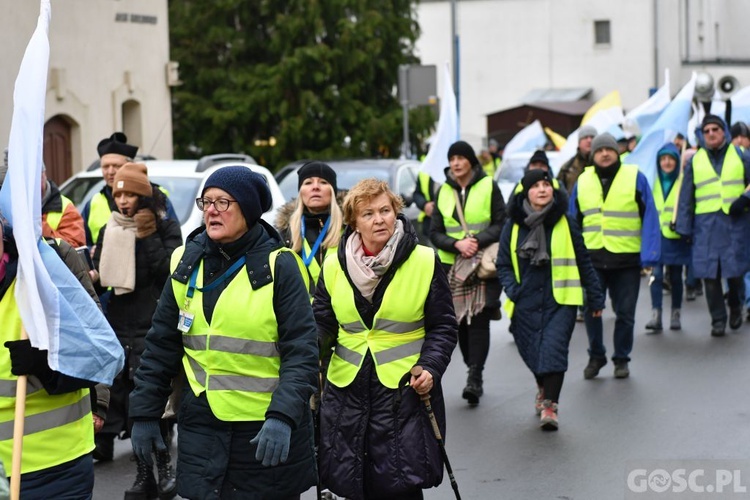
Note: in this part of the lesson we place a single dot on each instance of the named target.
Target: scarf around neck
(366, 271)
(534, 246)
(117, 263)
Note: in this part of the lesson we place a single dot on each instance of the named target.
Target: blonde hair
(364, 191)
(334, 228)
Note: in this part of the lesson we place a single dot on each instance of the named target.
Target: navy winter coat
(541, 327)
(373, 442)
(720, 242)
(215, 458)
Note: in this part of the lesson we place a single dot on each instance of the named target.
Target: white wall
(509, 47)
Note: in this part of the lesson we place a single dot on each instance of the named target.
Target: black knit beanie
(534, 176)
(462, 148)
(248, 188)
(316, 169)
(539, 156)
(715, 120)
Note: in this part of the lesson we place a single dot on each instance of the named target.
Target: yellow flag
(558, 140)
(610, 100)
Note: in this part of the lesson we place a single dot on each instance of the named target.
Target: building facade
(109, 71)
(510, 50)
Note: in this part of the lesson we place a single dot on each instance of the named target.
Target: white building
(109, 71)
(509, 48)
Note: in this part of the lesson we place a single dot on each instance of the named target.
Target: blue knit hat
(248, 188)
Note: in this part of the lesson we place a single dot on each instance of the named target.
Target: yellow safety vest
(566, 280)
(396, 337)
(666, 207)
(423, 178)
(234, 359)
(57, 428)
(54, 218)
(614, 223)
(314, 267)
(519, 187)
(711, 192)
(477, 212)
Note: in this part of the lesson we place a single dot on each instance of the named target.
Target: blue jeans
(623, 286)
(747, 290)
(657, 287)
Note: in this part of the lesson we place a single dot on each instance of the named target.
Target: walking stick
(416, 371)
(18, 425)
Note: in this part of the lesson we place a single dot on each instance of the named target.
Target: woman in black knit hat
(311, 225)
(235, 315)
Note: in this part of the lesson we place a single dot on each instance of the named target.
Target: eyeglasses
(711, 130)
(221, 205)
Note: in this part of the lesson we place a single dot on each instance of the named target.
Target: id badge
(185, 322)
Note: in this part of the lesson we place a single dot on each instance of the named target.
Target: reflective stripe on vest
(54, 218)
(477, 212)
(99, 214)
(57, 429)
(614, 223)
(235, 358)
(397, 335)
(666, 208)
(711, 192)
(566, 280)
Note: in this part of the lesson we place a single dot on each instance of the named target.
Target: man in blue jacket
(614, 206)
(713, 211)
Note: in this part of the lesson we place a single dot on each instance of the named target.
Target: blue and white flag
(740, 106)
(640, 119)
(447, 132)
(528, 139)
(672, 121)
(57, 313)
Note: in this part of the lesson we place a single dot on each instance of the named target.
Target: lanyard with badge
(307, 259)
(186, 318)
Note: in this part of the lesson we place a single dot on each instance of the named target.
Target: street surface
(685, 400)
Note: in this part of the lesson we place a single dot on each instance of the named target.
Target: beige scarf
(117, 263)
(366, 271)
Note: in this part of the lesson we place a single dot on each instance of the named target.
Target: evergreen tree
(319, 76)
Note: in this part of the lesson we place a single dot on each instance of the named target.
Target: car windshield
(182, 193)
(346, 177)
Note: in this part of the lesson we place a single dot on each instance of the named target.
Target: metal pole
(403, 84)
(454, 52)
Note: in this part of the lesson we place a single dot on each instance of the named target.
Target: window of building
(601, 33)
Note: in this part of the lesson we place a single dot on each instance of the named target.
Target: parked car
(183, 180)
(401, 176)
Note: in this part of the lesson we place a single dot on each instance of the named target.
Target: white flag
(447, 132)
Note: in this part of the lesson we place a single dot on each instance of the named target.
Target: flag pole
(18, 425)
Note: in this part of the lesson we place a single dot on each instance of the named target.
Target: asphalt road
(684, 405)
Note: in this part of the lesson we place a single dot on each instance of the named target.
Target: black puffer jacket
(372, 442)
(215, 457)
(129, 314)
(541, 327)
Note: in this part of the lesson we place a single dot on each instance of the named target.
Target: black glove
(673, 226)
(26, 360)
(738, 206)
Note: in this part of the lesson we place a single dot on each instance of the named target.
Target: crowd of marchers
(311, 354)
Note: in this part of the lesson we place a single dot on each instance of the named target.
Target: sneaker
(592, 369)
(690, 294)
(674, 322)
(718, 330)
(579, 316)
(655, 322)
(621, 369)
(735, 317)
(548, 418)
(538, 401)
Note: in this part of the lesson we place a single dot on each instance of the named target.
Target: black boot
(144, 487)
(167, 481)
(474, 390)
